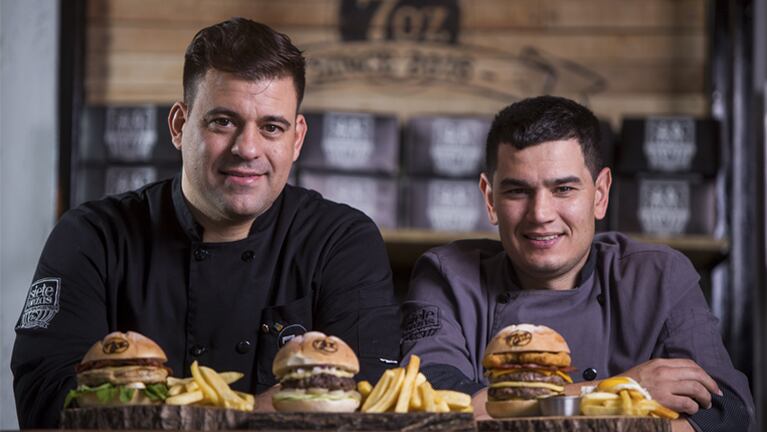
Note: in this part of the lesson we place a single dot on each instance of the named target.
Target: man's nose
(541, 208)
(248, 143)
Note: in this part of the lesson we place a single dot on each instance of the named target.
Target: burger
(121, 369)
(316, 373)
(525, 363)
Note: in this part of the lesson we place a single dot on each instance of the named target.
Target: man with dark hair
(222, 264)
(624, 308)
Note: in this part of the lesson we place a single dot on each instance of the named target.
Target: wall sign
(408, 45)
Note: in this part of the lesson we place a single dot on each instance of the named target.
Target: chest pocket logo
(519, 338)
(289, 332)
(325, 346)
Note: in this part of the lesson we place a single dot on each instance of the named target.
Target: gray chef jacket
(633, 302)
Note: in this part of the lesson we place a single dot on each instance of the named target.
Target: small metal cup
(561, 406)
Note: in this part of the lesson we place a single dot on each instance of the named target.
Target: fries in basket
(403, 390)
(623, 396)
(208, 387)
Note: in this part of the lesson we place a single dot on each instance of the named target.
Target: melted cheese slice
(553, 387)
(501, 372)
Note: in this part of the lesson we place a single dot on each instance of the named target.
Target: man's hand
(264, 400)
(478, 403)
(679, 384)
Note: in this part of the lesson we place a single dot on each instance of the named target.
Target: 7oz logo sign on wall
(41, 305)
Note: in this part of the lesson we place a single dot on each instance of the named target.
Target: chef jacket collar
(194, 230)
(583, 276)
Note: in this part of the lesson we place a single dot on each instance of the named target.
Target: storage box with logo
(351, 142)
(446, 146)
(669, 145)
(666, 177)
(446, 205)
(670, 205)
(122, 148)
(374, 196)
(128, 134)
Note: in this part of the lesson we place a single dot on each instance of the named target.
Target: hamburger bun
(124, 346)
(513, 408)
(315, 349)
(522, 338)
(325, 405)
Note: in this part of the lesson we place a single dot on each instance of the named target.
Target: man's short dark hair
(245, 48)
(541, 119)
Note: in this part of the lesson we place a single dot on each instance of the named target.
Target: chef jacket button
(503, 298)
(248, 255)
(200, 254)
(590, 374)
(601, 299)
(265, 328)
(198, 350)
(243, 346)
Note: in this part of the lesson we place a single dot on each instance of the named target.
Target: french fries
(208, 387)
(622, 401)
(404, 390)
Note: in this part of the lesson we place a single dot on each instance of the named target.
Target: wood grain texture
(634, 57)
(580, 424)
(170, 417)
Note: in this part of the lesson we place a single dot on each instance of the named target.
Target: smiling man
(625, 308)
(222, 264)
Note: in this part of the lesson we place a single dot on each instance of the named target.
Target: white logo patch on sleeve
(42, 304)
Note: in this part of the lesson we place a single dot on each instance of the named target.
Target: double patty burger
(316, 374)
(121, 369)
(525, 363)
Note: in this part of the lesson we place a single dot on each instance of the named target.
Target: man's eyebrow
(275, 119)
(509, 182)
(221, 110)
(562, 180)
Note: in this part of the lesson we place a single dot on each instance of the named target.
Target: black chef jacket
(137, 262)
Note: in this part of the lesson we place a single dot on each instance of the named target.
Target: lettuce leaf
(126, 394)
(156, 392)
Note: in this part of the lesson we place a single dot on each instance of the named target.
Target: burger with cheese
(121, 369)
(525, 363)
(316, 374)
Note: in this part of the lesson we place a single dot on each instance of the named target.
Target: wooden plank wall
(621, 57)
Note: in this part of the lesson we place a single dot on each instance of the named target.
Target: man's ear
(602, 194)
(301, 128)
(176, 120)
(486, 187)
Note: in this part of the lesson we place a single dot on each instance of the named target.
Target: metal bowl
(561, 405)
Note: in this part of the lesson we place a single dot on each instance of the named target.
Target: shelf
(406, 245)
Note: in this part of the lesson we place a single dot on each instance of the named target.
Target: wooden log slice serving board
(168, 417)
(577, 423)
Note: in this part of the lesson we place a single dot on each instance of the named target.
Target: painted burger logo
(325, 346)
(519, 338)
(115, 346)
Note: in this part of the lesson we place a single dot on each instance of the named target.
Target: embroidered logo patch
(41, 305)
(421, 323)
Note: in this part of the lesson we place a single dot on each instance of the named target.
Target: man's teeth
(544, 238)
